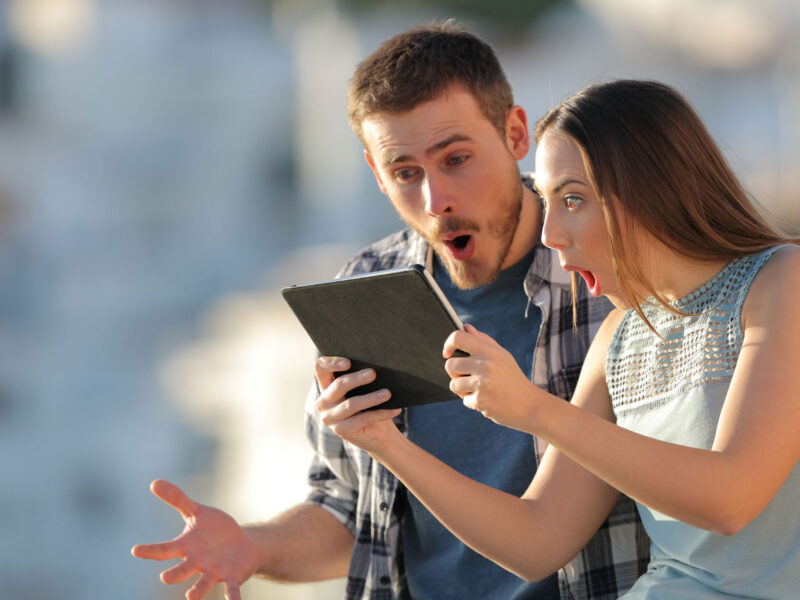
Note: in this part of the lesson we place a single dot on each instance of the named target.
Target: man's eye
(405, 174)
(458, 160)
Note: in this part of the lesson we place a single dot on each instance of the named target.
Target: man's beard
(501, 226)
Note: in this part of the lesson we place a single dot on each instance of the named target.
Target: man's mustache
(450, 225)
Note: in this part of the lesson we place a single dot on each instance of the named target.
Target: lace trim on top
(643, 370)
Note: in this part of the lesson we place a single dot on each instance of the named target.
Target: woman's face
(574, 224)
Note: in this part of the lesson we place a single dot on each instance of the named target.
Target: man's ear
(518, 137)
(371, 164)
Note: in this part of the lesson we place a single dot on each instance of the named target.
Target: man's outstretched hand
(212, 544)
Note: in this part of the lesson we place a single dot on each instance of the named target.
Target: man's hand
(212, 544)
(370, 430)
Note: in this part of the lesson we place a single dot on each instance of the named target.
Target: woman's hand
(489, 379)
(370, 430)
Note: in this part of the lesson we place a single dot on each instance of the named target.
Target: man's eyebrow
(456, 137)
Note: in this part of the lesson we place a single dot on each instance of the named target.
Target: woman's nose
(554, 235)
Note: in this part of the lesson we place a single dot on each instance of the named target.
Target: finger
(458, 367)
(449, 345)
(462, 386)
(335, 392)
(201, 587)
(232, 591)
(460, 340)
(470, 328)
(160, 551)
(345, 428)
(349, 407)
(326, 366)
(471, 402)
(179, 573)
(174, 496)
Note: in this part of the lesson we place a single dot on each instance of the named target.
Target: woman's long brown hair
(645, 147)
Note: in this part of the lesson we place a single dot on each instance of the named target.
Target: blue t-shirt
(438, 566)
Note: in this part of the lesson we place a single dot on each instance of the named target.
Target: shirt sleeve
(332, 476)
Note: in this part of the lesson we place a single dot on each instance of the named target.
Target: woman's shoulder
(780, 270)
(609, 326)
(786, 255)
(776, 287)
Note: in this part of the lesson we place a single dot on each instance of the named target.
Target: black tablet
(395, 321)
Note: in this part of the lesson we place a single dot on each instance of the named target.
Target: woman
(688, 399)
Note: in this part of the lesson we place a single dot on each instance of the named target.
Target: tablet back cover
(392, 321)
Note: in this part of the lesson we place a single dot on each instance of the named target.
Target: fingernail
(367, 373)
(383, 394)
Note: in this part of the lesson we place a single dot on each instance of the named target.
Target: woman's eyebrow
(559, 185)
(566, 182)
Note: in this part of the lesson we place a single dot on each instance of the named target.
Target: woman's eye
(572, 202)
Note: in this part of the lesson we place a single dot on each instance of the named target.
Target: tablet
(395, 321)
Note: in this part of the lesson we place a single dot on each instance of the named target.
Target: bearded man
(443, 137)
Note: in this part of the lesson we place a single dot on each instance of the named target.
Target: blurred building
(165, 167)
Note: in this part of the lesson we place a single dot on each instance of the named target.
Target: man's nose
(438, 198)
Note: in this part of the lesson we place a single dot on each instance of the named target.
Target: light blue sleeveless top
(673, 389)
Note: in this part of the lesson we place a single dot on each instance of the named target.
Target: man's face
(453, 178)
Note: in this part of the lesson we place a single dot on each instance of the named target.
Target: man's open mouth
(461, 247)
(459, 242)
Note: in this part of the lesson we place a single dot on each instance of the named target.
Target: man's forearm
(306, 543)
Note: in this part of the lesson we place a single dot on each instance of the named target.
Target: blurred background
(167, 166)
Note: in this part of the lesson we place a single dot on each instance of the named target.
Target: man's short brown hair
(418, 65)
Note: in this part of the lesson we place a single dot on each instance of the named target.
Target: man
(435, 114)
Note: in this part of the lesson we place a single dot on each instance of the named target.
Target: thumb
(470, 328)
(173, 495)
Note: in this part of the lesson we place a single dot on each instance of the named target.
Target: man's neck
(528, 230)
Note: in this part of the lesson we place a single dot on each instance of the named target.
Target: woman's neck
(674, 275)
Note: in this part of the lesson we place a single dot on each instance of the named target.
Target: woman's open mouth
(591, 281)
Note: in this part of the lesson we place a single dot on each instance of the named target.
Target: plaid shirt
(362, 493)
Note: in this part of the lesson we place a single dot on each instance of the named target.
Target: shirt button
(384, 507)
(386, 580)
